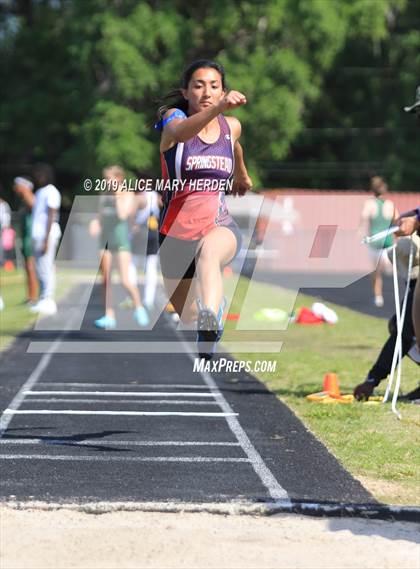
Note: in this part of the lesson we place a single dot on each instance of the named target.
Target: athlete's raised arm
(182, 129)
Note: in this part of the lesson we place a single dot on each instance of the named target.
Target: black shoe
(413, 395)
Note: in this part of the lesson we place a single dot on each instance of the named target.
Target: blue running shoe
(141, 316)
(106, 323)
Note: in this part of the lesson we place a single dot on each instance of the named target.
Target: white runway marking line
(127, 413)
(125, 393)
(127, 385)
(32, 379)
(121, 458)
(148, 347)
(126, 401)
(276, 491)
(96, 442)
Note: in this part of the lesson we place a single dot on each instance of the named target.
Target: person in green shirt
(23, 188)
(378, 214)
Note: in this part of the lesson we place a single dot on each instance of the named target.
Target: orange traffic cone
(331, 385)
(9, 266)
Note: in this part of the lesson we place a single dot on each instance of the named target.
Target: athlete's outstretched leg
(216, 250)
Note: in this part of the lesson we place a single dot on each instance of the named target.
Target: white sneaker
(379, 301)
(1, 304)
(45, 306)
(322, 311)
(414, 353)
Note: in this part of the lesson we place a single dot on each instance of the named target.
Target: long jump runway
(126, 427)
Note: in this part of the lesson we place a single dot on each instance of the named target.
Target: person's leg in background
(31, 280)
(414, 351)
(416, 313)
(382, 366)
(124, 262)
(45, 270)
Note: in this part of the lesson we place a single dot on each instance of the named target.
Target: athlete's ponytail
(175, 99)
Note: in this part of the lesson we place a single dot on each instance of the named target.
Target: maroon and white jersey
(198, 171)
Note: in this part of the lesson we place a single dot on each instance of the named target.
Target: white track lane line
(96, 442)
(128, 413)
(121, 458)
(276, 491)
(134, 386)
(127, 401)
(124, 393)
(33, 378)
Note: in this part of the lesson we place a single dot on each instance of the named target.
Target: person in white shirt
(46, 234)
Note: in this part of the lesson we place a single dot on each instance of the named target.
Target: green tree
(83, 76)
(358, 126)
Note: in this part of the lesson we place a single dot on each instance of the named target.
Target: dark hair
(175, 99)
(43, 174)
(378, 186)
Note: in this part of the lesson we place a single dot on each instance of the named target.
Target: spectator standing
(23, 187)
(378, 214)
(46, 234)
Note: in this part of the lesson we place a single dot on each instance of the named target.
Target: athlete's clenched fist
(232, 100)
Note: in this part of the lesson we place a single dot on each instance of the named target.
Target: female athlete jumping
(197, 235)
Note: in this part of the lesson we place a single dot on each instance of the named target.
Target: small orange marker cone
(331, 385)
(227, 271)
(9, 266)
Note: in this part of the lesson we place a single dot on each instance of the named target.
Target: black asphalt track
(263, 453)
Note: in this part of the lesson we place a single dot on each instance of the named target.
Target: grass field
(17, 316)
(367, 439)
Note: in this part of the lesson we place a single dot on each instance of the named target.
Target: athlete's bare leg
(124, 261)
(106, 269)
(217, 248)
